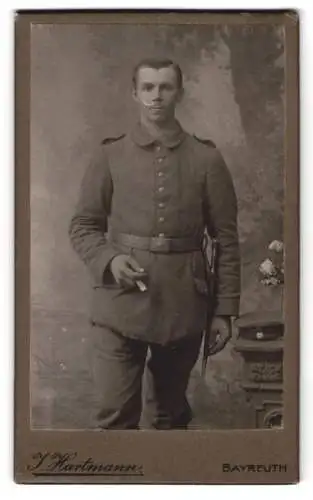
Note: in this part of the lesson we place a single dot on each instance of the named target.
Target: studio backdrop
(80, 94)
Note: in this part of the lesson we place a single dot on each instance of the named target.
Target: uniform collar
(170, 139)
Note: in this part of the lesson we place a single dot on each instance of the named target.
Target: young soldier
(144, 204)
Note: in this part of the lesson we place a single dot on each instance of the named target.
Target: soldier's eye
(166, 86)
(147, 86)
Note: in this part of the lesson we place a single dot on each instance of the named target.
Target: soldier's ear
(180, 94)
(134, 94)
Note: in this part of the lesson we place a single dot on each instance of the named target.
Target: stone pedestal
(260, 341)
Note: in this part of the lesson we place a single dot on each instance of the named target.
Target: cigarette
(142, 287)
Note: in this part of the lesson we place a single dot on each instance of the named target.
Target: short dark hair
(157, 64)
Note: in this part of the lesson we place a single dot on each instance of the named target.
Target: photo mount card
(82, 79)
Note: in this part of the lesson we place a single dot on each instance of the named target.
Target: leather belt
(157, 244)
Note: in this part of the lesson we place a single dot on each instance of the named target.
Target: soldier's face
(157, 93)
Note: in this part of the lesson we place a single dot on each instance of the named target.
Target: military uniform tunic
(175, 186)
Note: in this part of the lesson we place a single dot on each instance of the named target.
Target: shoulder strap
(208, 142)
(110, 140)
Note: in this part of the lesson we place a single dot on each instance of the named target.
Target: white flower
(276, 245)
(267, 267)
(273, 281)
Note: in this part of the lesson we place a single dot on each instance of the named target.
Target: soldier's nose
(157, 94)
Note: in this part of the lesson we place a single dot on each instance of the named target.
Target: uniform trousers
(141, 384)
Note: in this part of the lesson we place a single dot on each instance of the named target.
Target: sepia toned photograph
(159, 219)
(157, 163)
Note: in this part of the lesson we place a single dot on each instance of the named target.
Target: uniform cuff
(100, 268)
(227, 306)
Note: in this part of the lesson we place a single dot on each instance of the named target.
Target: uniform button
(160, 174)
(161, 205)
(160, 160)
(161, 219)
(158, 148)
(161, 235)
(161, 188)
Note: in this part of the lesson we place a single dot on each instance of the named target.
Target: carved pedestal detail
(260, 342)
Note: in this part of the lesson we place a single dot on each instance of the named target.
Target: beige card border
(194, 456)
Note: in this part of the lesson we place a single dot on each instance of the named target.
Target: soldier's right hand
(126, 270)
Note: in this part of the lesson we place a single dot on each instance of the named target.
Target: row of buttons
(160, 175)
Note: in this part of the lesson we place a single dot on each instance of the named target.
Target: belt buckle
(160, 244)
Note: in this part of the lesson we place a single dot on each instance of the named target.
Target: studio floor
(62, 391)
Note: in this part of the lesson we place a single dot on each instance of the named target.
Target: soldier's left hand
(220, 333)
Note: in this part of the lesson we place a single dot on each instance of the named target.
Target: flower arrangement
(272, 268)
